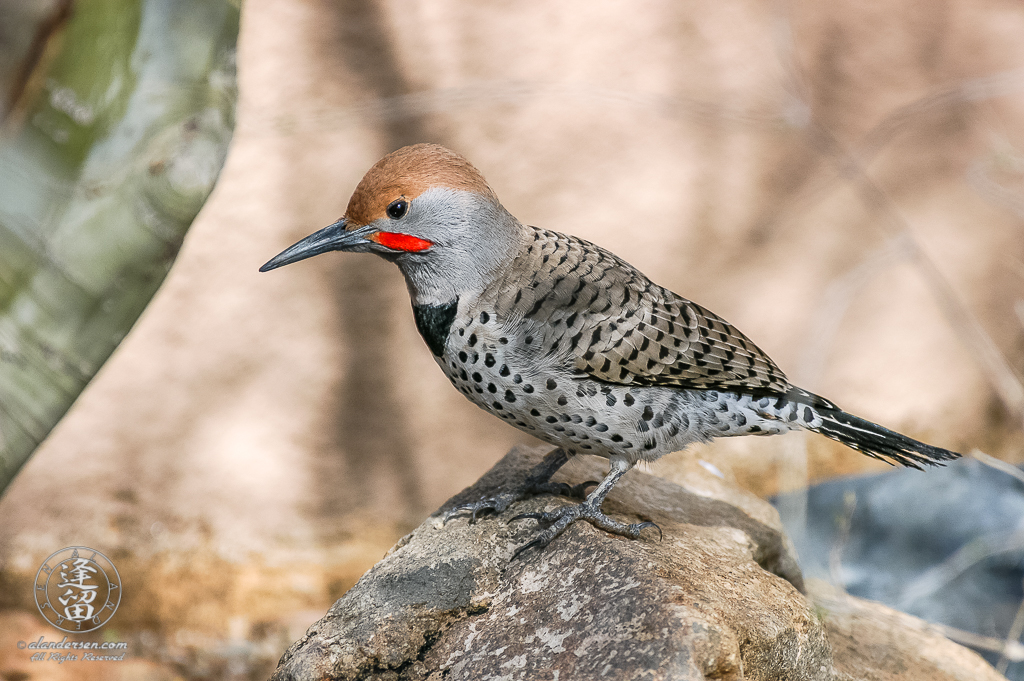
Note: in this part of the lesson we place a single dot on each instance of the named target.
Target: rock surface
(720, 597)
(872, 642)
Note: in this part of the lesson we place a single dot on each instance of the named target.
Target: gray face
(472, 239)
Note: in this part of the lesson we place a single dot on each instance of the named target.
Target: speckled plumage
(568, 342)
(579, 348)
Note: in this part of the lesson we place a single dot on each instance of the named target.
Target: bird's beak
(332, 238)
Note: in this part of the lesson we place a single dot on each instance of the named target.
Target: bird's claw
(538, 542)
(647, 523)
(496, 504)
(555, 522)
(526, 516)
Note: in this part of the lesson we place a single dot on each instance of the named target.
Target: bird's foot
(555, 522)
(500, 502)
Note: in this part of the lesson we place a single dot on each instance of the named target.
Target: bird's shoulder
(610, 322)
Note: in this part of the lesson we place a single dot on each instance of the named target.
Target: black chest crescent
(434, 322)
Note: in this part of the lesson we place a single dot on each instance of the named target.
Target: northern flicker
(566, 341)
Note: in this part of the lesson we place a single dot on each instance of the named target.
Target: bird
(566, 341)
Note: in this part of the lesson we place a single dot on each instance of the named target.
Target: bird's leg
(538, 481)
(555, 522)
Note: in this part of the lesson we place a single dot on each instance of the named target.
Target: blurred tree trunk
(112, 140)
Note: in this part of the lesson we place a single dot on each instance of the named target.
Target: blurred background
(843, 182)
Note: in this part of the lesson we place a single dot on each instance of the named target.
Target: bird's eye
(397, 209)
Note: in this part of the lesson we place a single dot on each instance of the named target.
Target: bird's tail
(876, 441)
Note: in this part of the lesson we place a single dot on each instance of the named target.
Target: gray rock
(719, 597)
(947, 547)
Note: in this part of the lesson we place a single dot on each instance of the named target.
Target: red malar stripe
(401, 242)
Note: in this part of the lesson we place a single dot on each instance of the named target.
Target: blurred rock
(946, 546)
(717, 598)
(871, 641)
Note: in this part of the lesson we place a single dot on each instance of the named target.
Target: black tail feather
(879, 442)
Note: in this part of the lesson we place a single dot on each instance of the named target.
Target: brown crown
(409, 172)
